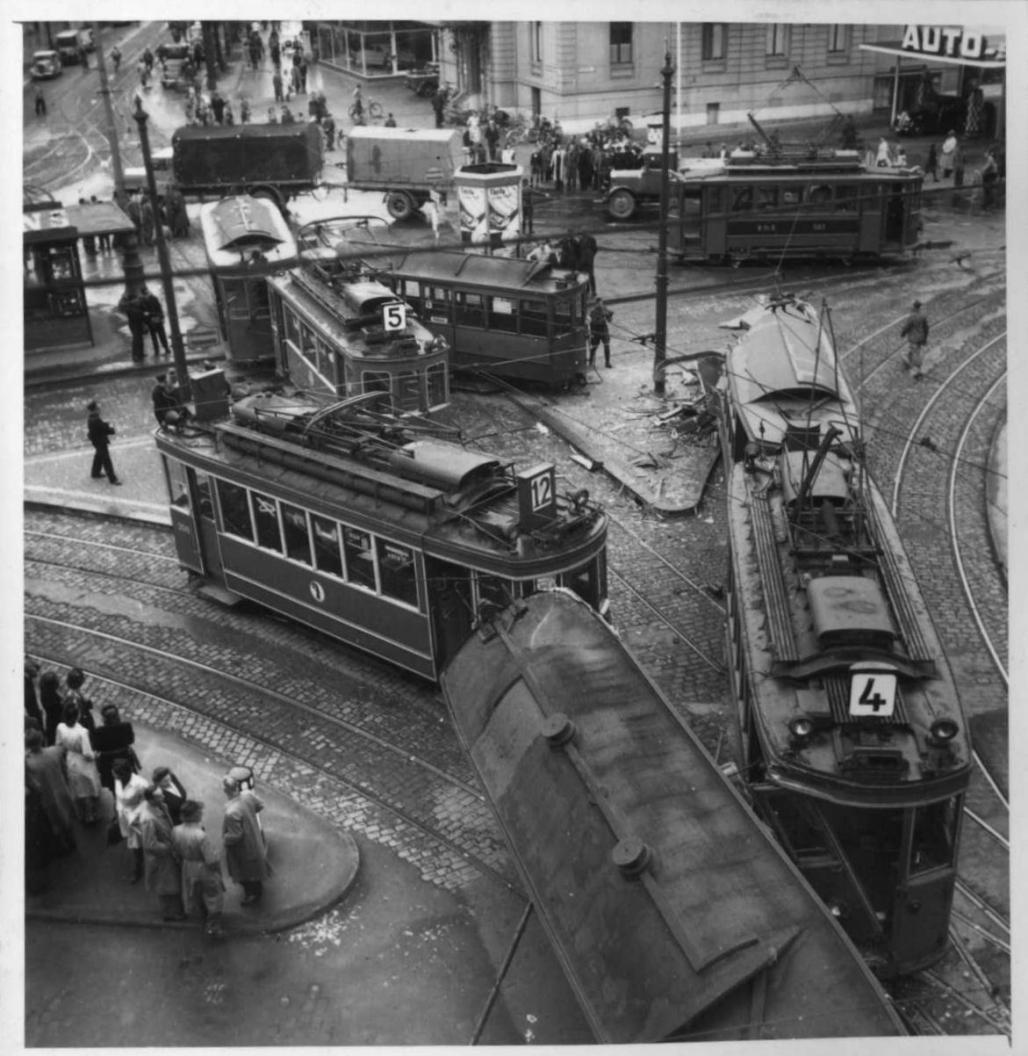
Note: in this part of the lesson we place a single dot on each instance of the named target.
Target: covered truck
(266, 161)
(403, 163)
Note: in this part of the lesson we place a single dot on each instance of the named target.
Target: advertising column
(489, 198)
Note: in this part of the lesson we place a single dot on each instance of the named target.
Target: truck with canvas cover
(267, 161)
(403, 163)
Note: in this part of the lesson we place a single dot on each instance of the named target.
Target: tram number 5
(394, 316)
(872, 693)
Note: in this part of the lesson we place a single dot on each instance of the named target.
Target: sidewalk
(313, 863)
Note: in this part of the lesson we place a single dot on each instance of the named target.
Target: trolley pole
(178, 349)
(660, 337)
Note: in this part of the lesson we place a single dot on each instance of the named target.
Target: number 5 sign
(872, 693)
(394, 316)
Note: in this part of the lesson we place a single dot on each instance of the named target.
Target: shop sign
(949, 41)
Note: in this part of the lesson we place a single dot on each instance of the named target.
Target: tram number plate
(537, 495)
(872, 694)
(394, 316)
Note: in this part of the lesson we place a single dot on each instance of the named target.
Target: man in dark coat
(153, 316)
(585, 256)
(439, 105)
(245, 851)
(100, 433)
(599, 316)
(915, 330)
(132, 307)
(112, 741)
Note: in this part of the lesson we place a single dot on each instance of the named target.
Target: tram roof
(478, 269)
(243, 221)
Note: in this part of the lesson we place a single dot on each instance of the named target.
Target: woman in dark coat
(113, 741)
(52, 703)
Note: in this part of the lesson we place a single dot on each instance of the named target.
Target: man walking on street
(599, 316)
(245, 851)
(99, 433)
(40, 103)
(915, 330)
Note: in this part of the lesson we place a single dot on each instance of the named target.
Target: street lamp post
(177, 347)
(660, 335)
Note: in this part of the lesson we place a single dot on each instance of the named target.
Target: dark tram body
(384, 535)
(753, 207)
(674, 913)
(337, 329)
(853, 744)
(504, 316)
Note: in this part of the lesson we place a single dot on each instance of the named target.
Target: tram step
(212, 592)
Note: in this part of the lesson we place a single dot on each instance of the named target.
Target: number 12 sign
(872, 693)
(537, 495)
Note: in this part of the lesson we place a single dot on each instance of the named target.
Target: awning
(99, 218)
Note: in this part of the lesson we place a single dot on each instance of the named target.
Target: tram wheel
(399, 204)
(621, 204)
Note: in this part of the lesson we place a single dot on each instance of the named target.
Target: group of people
(69, 760)
(170, 214)
(572, 163)
(145, 315)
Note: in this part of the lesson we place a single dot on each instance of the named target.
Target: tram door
(451, 606)
(895, 213)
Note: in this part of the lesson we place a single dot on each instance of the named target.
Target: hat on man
(917, 304)
(191, 810)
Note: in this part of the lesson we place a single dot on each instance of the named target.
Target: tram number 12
(394, 316)
(537, 495)
(872, 693)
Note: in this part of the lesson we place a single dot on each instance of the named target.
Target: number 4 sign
(394, 316)
(872, 693)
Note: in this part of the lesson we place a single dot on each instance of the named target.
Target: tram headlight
(801, 728)
(942, 731)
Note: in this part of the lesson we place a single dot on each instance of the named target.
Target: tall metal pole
(660, 340)
(177, 347)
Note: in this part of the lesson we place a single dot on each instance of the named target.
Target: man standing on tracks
(599, 318)
(915, 330)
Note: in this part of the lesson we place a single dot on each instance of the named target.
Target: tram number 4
(873, 693)
(394, 316)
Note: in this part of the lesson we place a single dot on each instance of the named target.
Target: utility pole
(177, 347)
(210, 51)
(660, 338)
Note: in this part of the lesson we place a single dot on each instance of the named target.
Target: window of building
(620, 43)
(360, 557)
(265, 517)
(535, 46)
(294, 528)
(838, 38)
(396, 571)
(713, 113)
(713, 41)
(777, 40)
(235, 510)
(325, 534)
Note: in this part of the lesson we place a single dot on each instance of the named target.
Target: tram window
(767, 197)
(408, 390)
(714, 203)
(802, 832)
(62, 263)
(742, 199)
(360, 557)
(292, 325)
(792, 195)
(308, 342)
(257, 295)
(396, 570)
(583, 582)
(294, 528)
(325, 534)
(935, 835)
(845, 198)
(235, 510)
(470, 309)
(501, 314)
(820, 194)
(375, 381)
(533, 317)
(204, 499)
(436, 380)
(265, 516)
(179, 484)
(563, 310)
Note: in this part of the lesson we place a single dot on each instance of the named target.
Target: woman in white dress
(129, 788)
(83, 776)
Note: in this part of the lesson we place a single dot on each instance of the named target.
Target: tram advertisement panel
(474, 217)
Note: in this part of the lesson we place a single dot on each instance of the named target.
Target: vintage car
(634, 182)
(46, 64)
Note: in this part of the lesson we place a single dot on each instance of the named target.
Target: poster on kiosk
(489, 200)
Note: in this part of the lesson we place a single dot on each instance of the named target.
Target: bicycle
(360, 109)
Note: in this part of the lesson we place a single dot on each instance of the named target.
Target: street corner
(313, 863)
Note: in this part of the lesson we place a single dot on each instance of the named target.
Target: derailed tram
(854, 746)
(378, 530)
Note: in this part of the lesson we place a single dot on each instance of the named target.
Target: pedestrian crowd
(70, 762)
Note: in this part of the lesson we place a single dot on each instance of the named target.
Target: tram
(674, 913)
(753, 207)
(338, 329)
(375, 529)
(852, 737)
(505, 316)
(246, 239)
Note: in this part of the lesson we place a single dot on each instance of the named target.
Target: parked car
(46, 64)
(67, 43)
(172, 57)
